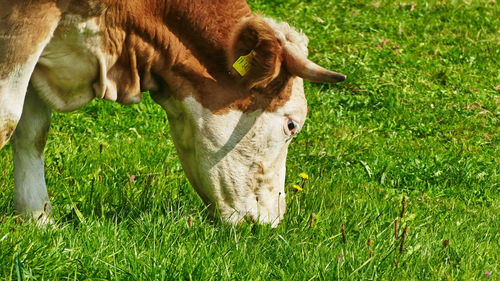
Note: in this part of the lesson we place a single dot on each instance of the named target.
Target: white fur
(63, 80)
(70, 64)
(236, 161)
(286, 33)
(30, 193)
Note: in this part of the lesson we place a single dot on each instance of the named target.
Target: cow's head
(232, 131)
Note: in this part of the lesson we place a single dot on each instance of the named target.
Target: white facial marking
(236, 161)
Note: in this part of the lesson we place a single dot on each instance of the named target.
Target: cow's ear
(255, 54)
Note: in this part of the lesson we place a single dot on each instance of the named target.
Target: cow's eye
(291, 127)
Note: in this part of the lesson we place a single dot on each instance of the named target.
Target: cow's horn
(298, 64)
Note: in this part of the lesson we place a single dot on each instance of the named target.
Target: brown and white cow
(231, 128)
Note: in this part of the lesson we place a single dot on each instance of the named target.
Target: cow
(230, 81)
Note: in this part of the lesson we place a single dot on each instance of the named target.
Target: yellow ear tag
(243, 63)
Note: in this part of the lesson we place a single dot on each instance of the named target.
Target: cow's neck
(183, 36)
(204, 27)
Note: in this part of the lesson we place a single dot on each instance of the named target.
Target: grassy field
(417, 118)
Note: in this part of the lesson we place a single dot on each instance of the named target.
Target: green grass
(417, 118)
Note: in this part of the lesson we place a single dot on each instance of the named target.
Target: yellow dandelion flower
(297, 187)
(304, 176)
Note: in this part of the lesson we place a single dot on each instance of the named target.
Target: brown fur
(188, 47)
(23, 25)
(172, 47)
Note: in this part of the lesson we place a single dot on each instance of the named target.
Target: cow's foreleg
(26, 27)
(28, 142)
